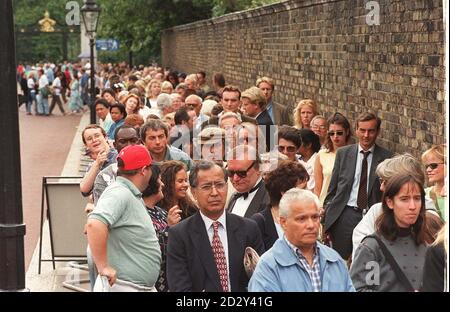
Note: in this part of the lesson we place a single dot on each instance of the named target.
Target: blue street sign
(107, 44)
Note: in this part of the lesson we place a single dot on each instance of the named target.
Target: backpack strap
(394, 265)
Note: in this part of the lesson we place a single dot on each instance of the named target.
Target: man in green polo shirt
(120, 231)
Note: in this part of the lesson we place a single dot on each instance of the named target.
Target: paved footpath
(50, 146)
(44, 145)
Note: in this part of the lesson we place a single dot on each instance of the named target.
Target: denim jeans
(42, 105)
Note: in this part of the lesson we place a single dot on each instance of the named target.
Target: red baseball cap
(134, 157)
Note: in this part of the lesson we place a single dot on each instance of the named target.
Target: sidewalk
(51, 280)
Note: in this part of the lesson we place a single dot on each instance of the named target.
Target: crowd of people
(187, 177)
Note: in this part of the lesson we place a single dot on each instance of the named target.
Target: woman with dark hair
(308, 151)
(392, 259)
(118, 115)
(172, 77)
(109, 95)
(339, 134)
(218, 82)
(161, 220)
(175, 190)
(287, 175)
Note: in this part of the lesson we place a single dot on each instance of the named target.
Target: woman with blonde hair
(304, 113)
(153, 90)
(436, 170)
(166, 87)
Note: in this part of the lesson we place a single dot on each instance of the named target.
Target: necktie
(362, 191)
(219, 257)
(245, 194)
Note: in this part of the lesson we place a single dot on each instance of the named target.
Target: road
(44, 145)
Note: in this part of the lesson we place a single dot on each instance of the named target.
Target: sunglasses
(240, 173)
(433, 165)
(289, 149)
(338, 133)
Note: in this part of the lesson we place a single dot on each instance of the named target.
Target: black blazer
(258, 203)
(190, 260)
(265, 123)
(266, 225)
(342, 181)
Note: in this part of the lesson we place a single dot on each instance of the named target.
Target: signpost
(107, 45)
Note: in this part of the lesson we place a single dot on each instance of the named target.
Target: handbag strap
(394, 265)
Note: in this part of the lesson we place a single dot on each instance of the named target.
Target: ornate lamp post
(91, 13)
(12, 228)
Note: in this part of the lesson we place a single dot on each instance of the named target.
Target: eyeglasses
(208, 187)
(289, 149)
(94, 137)
(240, 173)
(433, 165)
(338, 133)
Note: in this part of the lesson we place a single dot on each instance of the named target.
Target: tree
(138, 26)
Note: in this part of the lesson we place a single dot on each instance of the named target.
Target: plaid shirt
(314, 270)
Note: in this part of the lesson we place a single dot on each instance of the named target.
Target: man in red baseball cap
(120, 232)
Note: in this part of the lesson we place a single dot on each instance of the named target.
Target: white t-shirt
(57, 86)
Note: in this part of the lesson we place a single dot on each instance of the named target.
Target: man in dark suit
(254, 105)
(354, 186)
(243, 171)
(205, 252)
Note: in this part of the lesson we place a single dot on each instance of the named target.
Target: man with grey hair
(205, 252)
(297, 261)
(195, 102)
(164, 103)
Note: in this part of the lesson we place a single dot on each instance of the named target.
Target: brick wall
(325, 50)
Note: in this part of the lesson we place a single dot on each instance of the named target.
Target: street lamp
(91, 12)
(12, 228)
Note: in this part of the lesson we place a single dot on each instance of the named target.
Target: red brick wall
(325, 50)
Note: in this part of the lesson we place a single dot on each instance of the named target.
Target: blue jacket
(279, 270)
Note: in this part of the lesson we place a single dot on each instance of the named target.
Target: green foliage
(138, 26)
(41, 47)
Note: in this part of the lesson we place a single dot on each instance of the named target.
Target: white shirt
(241, 204)
(144, 112)
(31, 83)
(57, 86)
(43, 81)
(309, 166)
(222, 235)
(353, 199)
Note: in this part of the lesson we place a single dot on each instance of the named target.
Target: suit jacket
(258, 203)
(266, 225)
(342, 181)
(190, 260)
(265, 121)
